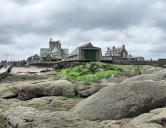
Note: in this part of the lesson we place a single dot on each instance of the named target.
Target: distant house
(117, 52)
(44, 52)
(120, 54)
(86, 51)
(33, 59)
(162, 59)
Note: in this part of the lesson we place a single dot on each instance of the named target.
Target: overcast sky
(27, 25)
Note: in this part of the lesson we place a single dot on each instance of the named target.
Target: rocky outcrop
(146, 69)
(158, 76)
(154, 119)
(129, 98)
(54, 88)
(52, 103)
(47, 103)
(27, 117)
(152, 125)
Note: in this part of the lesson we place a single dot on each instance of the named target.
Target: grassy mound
(94, 72)
(88, 72)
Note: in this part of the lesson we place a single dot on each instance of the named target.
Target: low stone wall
(65, 64)
(127, 62)
(60, 64)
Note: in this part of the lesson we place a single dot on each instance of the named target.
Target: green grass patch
(88, 73)
(94, 72)
(128, 69)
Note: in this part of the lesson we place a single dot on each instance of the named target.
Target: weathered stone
(152, 125)
(156, 118)
(87, 90)
(52, 103)
(126, 99)
(155, 77)
(27, 117)
(57, 88)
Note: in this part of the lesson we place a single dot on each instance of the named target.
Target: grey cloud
(6, 39)
(83, 17)
(133, 22)
(106, 17)
(161, 23)
(159, 49)
(24, 2)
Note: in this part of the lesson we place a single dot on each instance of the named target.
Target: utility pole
(68, 46)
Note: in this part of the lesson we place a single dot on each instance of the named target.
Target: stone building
(33, 59)
(117, 52)
(120, 54)
(86, 51)
(53, 44)
(44, 52)
(54, 52)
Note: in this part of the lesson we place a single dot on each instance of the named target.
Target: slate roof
(76, 51)
(44, 51)
(115, 50)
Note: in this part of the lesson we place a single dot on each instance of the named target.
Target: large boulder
(158, 76)
(126, 99)
(155, 118)
(55, 88)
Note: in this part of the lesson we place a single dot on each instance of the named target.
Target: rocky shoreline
(117, 102)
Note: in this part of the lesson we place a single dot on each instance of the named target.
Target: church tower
(53, 44)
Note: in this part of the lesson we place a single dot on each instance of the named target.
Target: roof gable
(76, 51)
(86, 45)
